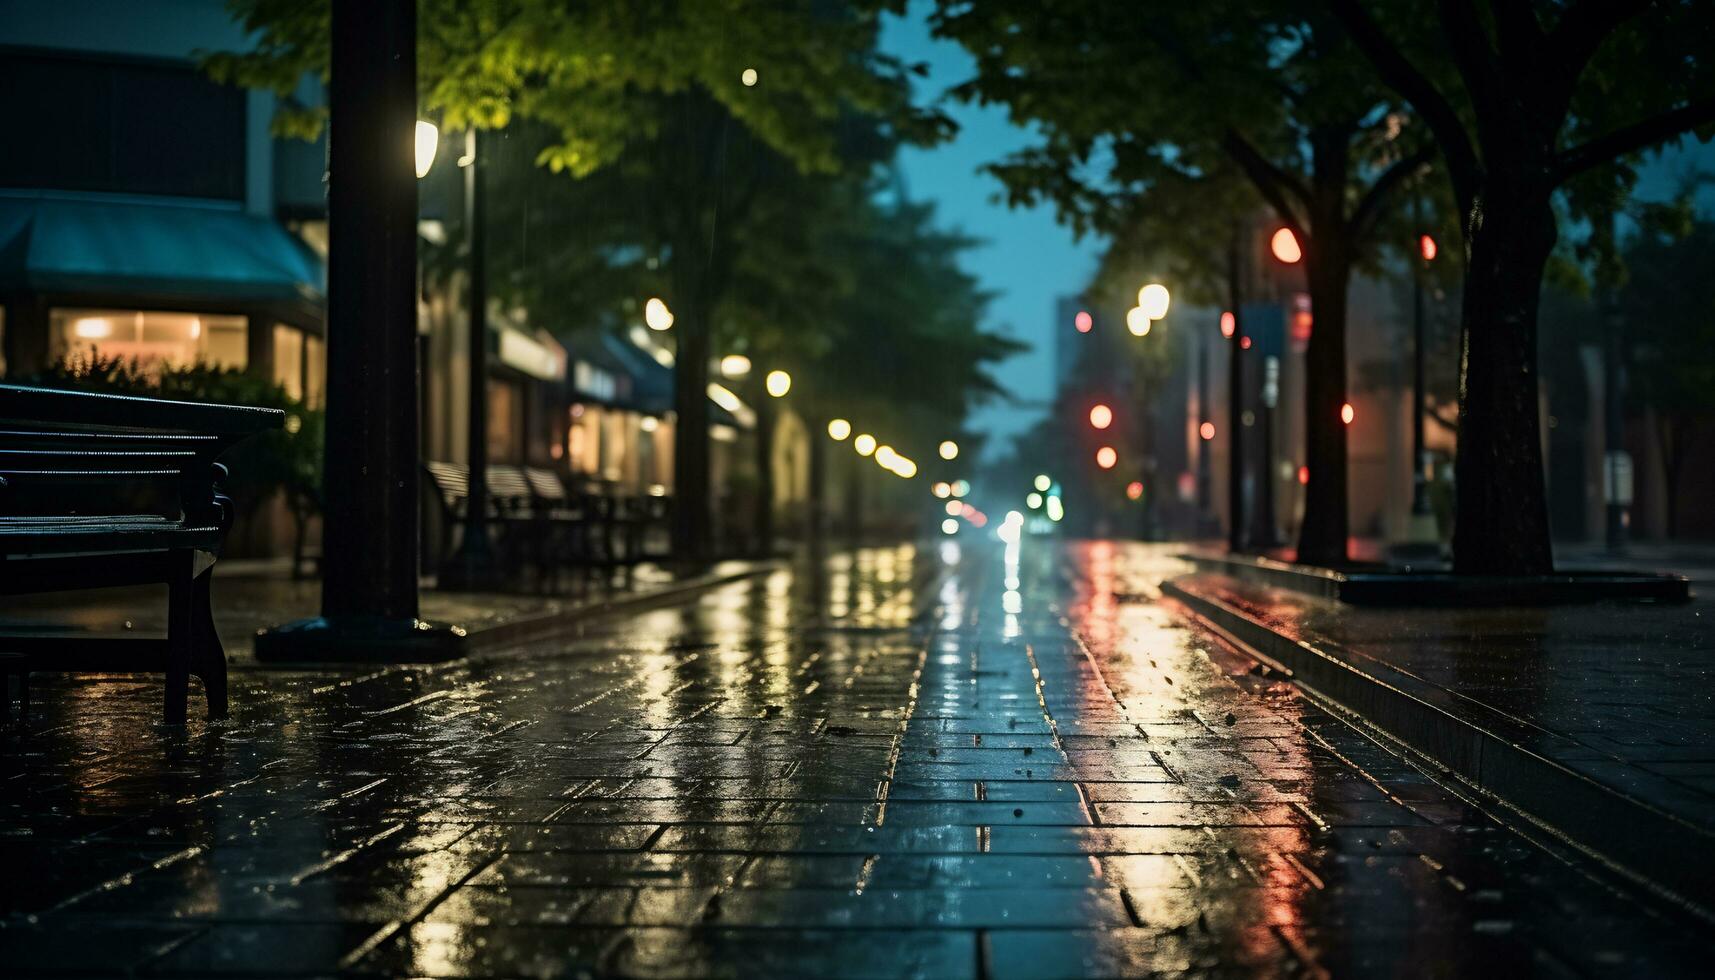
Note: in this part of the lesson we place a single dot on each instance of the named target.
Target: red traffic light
(1426, 246)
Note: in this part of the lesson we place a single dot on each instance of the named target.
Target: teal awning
(128, 248)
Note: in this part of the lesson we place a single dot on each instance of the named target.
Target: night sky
(1028, 260)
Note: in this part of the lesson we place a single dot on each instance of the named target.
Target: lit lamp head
(1153, 300)
(949, 449)
(839, 430)
(864, 444)
(778, 383)
(657, 315)
(428, 138)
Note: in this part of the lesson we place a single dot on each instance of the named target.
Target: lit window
(151, 339)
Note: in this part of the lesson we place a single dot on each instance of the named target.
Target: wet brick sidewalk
(977, 769)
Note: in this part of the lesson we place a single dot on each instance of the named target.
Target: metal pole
(369, 528)
(1614, 428)
(1235, 397)
(1419, 396)
(472, 566)
(1265, 534)
(369, 532)
(1205, 477)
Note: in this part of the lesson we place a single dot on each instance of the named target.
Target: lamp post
(1235, 394)
(369, 530)
(472, 566)
(1422, 537)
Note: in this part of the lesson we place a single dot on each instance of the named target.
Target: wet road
(981, 765)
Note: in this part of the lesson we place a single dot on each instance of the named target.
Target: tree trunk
(692, 521)
(1323, 535)
(1501, 523)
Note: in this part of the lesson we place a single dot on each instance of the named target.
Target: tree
(1546, 92)
(671, 88)
(1134, 107)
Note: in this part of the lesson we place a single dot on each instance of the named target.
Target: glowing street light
(961, 487)
(748, 77)
(1229, 324)
(1042, 482)
(954, 508)
(885, 456)
(1153, 300)
(839, 430)
(950, 526)
(1106, 457)
(1083, 321)
(1137, 321)
(1206, 430)
(1101, 416)
(864, 444)
(1347, 413)
(949, 449)
(1134, 489)
(1285, 246)
(735, 365)
(1034, 500)
(942, 489)
(428, 140)
(657, 315)
(1426, 248)
(778, 383)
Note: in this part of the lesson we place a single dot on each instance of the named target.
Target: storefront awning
(128, 247)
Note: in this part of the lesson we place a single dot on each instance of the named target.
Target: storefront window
(583, 440)
(315, 370)
(289, 359)
(505, 422)
(150, 338)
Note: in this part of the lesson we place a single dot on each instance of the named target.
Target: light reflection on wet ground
(944, 763)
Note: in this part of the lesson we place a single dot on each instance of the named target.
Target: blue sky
(1027, 259)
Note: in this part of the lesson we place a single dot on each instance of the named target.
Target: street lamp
(735, 365)
(428, 140)
(1153, 300)
(1137, 321)
(778, 383)
(1106, 457)
(1101, 416)
(864, 444)
(657, 315)
(949, 449)
(839, 430)
(1285, 246)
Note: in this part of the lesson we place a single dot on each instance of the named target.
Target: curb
(1439, 587)
(1488, 751)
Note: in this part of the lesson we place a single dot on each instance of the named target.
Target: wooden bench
(100, 491)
